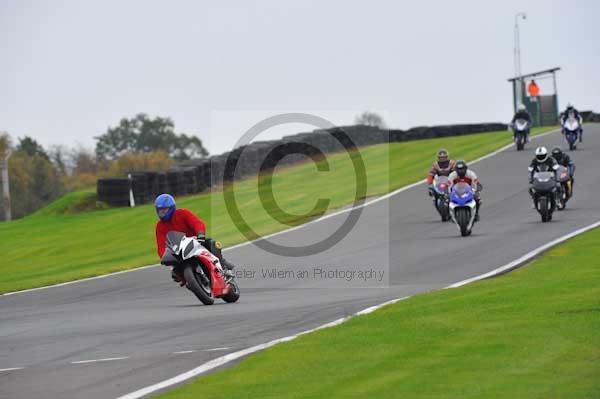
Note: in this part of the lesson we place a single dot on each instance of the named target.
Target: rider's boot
(228, 268)
(178, 278)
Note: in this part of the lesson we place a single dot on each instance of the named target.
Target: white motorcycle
(571, 127)
(520, 128)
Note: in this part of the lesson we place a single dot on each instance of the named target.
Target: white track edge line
(525, 258)
(107, 359)
(220, 361)
(324, 217)
(12, 369)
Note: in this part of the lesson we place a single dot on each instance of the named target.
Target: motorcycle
(462, 207)
(520, 128)
(571, 128)
(441, 195)
(545, 192)
(564, 192)
(197, 264)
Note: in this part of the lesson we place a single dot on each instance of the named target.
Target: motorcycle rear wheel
(520, 143)
(234, 293)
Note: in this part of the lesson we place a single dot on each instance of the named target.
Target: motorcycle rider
(521, 114)
(565, 115)
(442, 167)
(184, 221)
(462, 174)
(566, 161)
(542, 162)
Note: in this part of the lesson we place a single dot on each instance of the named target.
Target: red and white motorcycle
(200, 268)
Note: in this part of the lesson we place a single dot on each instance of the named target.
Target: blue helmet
(165, 201)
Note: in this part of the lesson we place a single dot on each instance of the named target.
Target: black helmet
(557, 153)
(461, 168)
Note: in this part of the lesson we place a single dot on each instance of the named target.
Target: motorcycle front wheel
(195, 283)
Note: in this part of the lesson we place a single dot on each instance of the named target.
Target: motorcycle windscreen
(441, 183)
(543, 181)
(173, 240)
(521, 124)
(462, 193)
(562, 173)
(543, 176)
(572, 124)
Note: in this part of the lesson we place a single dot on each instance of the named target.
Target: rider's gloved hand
(201, 236)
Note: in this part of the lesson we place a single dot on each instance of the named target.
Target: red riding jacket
(184, 221)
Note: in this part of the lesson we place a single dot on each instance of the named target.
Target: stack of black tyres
(198, 175)
(114, 192)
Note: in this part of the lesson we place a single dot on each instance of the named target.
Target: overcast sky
(70, 69)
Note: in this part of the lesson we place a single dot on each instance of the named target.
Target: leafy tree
(32, 148)
(34, 181)
(143, 134)
(85, 161)
(155, 161)
(370, 119)
(59, 156)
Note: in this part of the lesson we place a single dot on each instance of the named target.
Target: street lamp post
(5, 185)
(519, 82)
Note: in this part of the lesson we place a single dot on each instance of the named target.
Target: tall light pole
(519, 82)
(5, 185)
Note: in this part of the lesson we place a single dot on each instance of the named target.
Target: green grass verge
(533, 333)
(56, 244)
(72, 204)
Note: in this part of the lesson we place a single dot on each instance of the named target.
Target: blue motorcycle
(463, 207)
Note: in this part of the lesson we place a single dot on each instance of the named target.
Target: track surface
(144, 317)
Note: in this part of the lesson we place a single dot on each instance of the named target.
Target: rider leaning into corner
(521, 114)
(184, 221)
(462, 174)
(542, 162)
(566, 161)
(571, 110)
(442, 167)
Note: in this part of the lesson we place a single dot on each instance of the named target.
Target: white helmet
(521, 107)
(541, 154)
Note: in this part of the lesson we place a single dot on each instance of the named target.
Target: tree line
(40, 175)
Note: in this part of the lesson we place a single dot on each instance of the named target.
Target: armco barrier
(199, 175)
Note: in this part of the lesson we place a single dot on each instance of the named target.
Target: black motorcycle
(544, 190)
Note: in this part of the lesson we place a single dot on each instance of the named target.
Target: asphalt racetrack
(107, 337)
